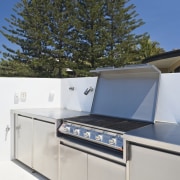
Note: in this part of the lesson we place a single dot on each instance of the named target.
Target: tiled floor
(12, 170)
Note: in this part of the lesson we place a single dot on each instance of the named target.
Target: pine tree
(15, 68)
(60, 30)
(105, 32)
(89, 32)
(53, 35)
(40, 29)
(122, 19)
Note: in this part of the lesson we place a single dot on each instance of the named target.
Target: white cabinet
(36, 145)
(150, 164)
(23, 139)
(78, 165)
(73, 164)
(45, 149)
(102, 169)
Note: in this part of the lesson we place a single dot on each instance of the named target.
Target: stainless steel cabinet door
(45, 149)
(73, 164)
(23, 139)
(148, 164)
(101, 169)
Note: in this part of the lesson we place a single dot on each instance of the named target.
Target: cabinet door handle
(6, 132)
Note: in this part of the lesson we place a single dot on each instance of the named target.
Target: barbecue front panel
(103, 130)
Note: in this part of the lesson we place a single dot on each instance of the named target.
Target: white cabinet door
(149, 164)
(45, 149)
(102, 169)
(73, 164)
(23, 140)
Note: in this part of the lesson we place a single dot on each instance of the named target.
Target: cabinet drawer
(152, 164)
(73, 164)
(102, 169)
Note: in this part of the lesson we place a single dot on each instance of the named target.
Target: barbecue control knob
(112, 141)
(76, 132)
(87, 134)
(99, 138)
(66, 129)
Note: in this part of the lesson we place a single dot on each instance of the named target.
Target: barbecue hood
(129, 92)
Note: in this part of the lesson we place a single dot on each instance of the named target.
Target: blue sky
(5, 12)
(161, 21)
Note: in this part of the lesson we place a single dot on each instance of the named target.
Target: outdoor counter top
(48, 114)
(163, 136)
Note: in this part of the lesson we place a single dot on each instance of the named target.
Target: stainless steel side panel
(73, 164)
(102, 169)
(127, 93)
(23, 139)
(45, 149)
(149, 164)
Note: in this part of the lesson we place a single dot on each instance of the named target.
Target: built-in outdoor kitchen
(119, 139)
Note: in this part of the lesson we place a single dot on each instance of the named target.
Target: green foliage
(15, 68)
(148, 48)
(52, 35)
(122, 19)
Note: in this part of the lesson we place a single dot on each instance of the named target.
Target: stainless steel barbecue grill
(124, 99)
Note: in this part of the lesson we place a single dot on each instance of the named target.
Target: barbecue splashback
(129, 92)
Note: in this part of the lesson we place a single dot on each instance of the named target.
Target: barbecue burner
(100, 129)
(118, 124)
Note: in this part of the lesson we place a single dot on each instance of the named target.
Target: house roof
(167, 61)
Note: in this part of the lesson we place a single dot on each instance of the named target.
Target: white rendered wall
(40, 93)
(168, 105)
(37, 96)
(76, 99)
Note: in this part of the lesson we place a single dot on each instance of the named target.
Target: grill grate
(118, 124)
